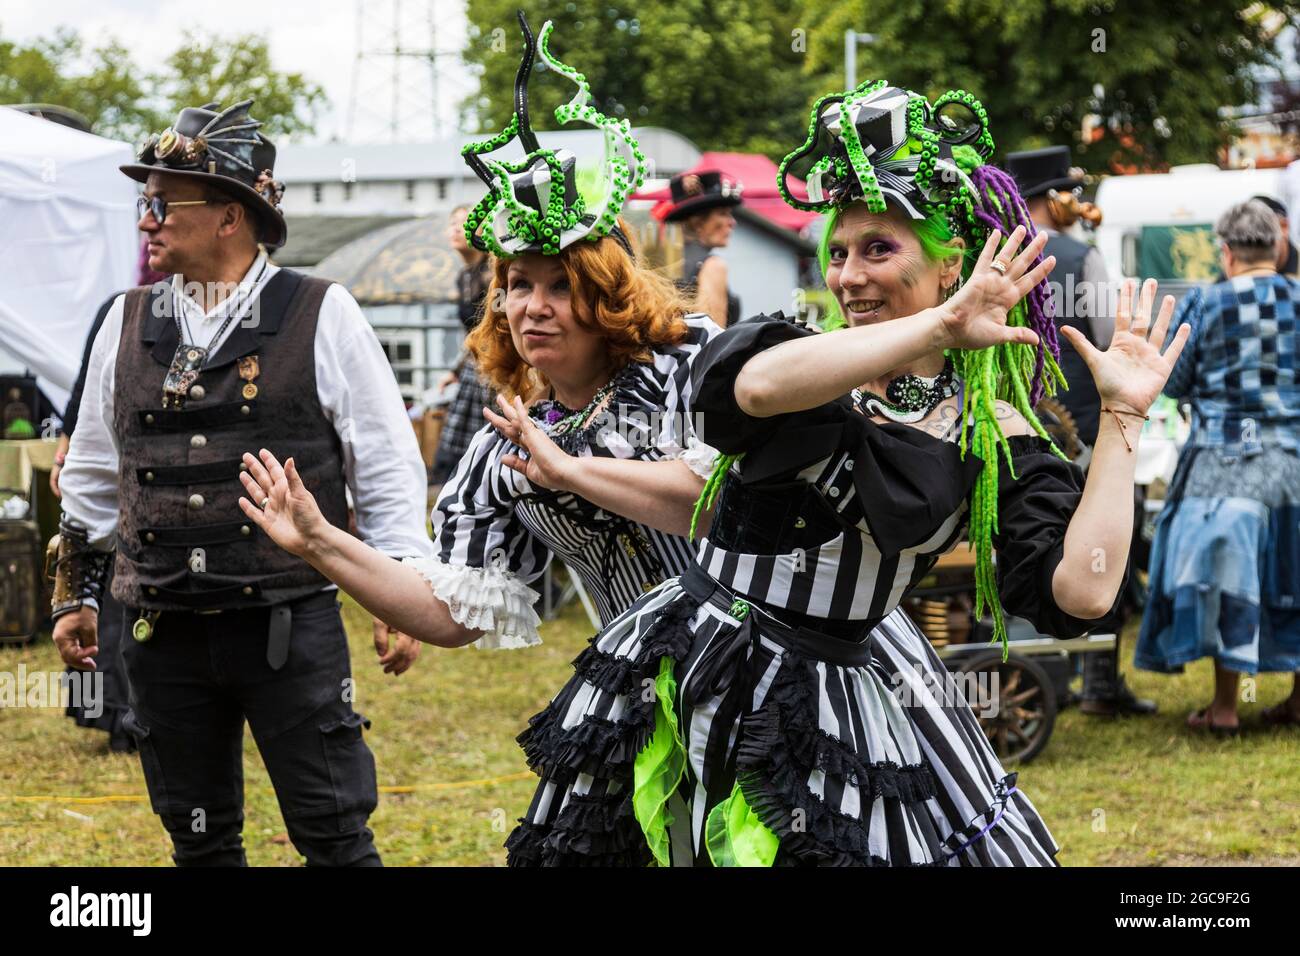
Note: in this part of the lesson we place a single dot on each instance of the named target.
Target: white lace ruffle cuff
(699, 457)
(489, 599)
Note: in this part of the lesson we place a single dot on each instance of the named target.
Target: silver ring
(265, 502)
(999, 265)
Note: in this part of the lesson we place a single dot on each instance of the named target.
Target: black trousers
(108, 663)
(195, 682)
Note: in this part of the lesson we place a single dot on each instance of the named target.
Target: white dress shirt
(357, 391)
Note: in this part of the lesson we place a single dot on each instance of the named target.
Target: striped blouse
(900, 497)
(495, 533)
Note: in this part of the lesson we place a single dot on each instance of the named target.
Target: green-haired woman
(773, 705)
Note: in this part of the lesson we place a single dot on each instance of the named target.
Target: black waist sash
(845, 643)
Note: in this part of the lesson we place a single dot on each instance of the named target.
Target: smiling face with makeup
(544, 325)
(877, 269)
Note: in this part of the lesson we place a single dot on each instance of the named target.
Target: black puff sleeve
(720, 420)
(1034, 509)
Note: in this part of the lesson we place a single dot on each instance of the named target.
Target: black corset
(772, 518)
(778, 518)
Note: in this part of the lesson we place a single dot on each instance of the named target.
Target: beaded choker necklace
(571, 430)
(909, 398)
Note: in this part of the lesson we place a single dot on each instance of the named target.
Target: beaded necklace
(570, 429)
(909, 398)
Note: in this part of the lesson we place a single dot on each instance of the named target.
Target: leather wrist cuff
(78, 570)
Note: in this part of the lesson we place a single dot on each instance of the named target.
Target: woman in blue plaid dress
(1225, 563)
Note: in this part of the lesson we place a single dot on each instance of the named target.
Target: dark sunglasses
(158, 206)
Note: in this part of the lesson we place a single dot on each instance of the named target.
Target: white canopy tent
(67, 241)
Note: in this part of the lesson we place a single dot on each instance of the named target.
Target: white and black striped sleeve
(678, 436)
(485, 559)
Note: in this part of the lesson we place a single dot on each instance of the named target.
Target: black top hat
(1038, 170)
(226, 150)
(694, 193)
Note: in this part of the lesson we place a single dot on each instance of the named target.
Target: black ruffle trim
(606, 748)
(599, 829)
(608, 672)
(782, 745)
(590, 831)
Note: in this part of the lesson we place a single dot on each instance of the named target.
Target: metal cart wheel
(1018, 711)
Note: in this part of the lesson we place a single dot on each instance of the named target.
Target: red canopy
(757, 174)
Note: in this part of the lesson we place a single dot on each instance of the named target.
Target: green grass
(1135, 791)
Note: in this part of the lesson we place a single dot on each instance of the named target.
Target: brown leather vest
(183, 542)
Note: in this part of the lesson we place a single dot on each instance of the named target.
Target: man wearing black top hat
(229, 356)
(1044, 177)
(702, 203)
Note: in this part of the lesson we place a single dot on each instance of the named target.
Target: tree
(227, 71)
(98, 84)
(727, 74)
(1160, 78)
(127, 103)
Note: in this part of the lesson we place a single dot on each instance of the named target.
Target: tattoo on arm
(941, 423)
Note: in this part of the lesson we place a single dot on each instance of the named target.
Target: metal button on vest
(247, 589)
(849, 464)
(197, 392)
(153, 590)
(834, 492)
(148, 476)
(245, 530)
(150, 536)
(800, 523)
(148, 419)
(244, 409)
(198, 441)
(196, 502)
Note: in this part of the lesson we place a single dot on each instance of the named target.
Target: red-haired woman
(592, 458)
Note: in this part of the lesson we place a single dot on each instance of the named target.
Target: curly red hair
(633, 308)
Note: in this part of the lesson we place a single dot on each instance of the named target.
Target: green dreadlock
(1001, 372)
(711, 487)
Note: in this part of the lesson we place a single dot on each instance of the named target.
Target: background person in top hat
(184, 377)
(1051, 190)
(702, 203)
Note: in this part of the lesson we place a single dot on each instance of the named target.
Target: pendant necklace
(909, 398)
(189, 360)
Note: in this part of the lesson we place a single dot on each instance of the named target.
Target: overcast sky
(318, 38)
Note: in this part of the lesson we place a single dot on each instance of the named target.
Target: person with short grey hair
(1250, 234)
(1222, 584)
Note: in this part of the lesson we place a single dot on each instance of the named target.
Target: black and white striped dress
(810, 722)
(494, 533)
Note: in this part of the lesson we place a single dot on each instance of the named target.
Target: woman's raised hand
(547, 465)
(280, 505)
(1132, 371)
(976, 315)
